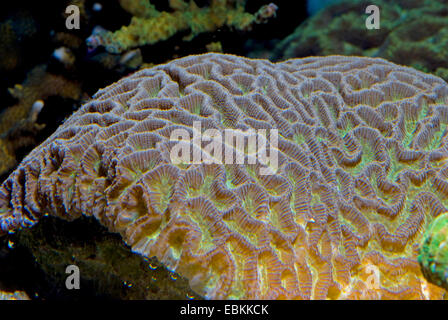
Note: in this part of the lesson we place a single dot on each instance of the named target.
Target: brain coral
(362, 171)
(412, 32)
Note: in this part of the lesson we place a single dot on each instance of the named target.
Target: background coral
(149, 26)
(412, 33)
(362, 154)
(38, 86)
(18, 123)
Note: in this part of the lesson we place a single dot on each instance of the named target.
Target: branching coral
(149, 26)
(362, 153)
(411, 32)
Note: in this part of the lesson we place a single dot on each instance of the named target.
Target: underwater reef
(412, 32)
(361, 177)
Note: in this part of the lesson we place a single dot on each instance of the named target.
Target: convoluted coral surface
(361, 173)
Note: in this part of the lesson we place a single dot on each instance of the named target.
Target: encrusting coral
(361, 173)
(412, 32)
(149, 26)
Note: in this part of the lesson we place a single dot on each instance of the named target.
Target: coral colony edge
(361, 180)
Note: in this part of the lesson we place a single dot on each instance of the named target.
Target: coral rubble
(362, 156)
(149, 26)
(411, 33)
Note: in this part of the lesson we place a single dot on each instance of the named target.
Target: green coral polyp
(433, 256)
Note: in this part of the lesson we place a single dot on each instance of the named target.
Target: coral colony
(361, 176)
(149, 26)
